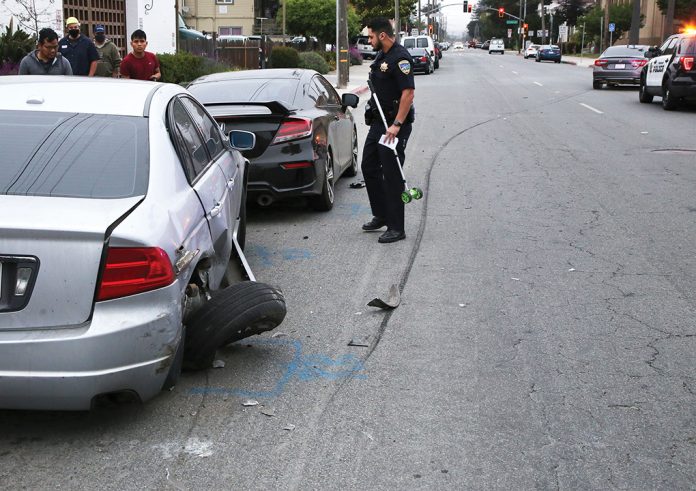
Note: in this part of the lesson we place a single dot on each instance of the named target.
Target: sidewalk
(357, 78)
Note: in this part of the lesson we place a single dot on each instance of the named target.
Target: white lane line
(538, 84)
(515, 72)
(590, 108)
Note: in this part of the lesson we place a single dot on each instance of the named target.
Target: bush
(284, 57)
(329, 58)
(15, 45)
(355, 56)
(9, 68)
(314, 61)
(184, 67)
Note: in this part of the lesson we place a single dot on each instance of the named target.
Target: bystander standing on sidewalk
(45, 60)
(140, 64)
(79, 50)
(109, 57)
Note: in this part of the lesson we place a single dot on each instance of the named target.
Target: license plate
(620, 66)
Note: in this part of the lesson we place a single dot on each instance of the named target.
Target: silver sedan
(122, 210)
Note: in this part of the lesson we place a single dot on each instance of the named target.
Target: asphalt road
(545, 339)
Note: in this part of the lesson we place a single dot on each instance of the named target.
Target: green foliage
(314, 61)
(184, 67)
(369, 9)
(284, 57)
(683, 9)
(329, 58)
(618, 14)
(318, 18)
(15, 45)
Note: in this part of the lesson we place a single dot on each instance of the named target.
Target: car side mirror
(242, 140)
(349, 100)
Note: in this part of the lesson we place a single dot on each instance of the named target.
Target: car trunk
(623, 63)
(63, 238)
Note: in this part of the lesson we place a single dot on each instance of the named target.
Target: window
(331, 94)
(668, 47)
(192, 150)
(230, 31)
(73, 155)
(208, 128)
(224, 2)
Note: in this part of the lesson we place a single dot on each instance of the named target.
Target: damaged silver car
(122, 229)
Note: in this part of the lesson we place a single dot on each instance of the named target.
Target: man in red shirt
(140, 64)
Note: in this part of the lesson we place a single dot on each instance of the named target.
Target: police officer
(392, 77)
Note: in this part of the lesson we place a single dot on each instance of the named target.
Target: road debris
(361, 342)
(279, 335)
(268, 411)
(250, 402)
(393, 299)
(218, 364)
(289, 427)
(571, 270)
(516, 279)
(357, 185)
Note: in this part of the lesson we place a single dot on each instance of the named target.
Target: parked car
(619, 65)
(496, 46)
(671, 72)
(422, 61)
(486, 44)
(188, 33)
(531, 51)
(479, 45)
(458, 45)
(122, 215)
(305, 133)
(364, 47)
(426, 42)
(549, 52)
(471, 44)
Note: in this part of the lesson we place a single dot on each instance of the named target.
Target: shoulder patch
(405, 66)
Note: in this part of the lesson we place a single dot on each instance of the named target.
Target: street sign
(563, 33)
(612, 27)
(414, 32)
(509, 33)
(510, 21)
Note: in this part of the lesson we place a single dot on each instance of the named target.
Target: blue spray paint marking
(304, 368)
(266, 256)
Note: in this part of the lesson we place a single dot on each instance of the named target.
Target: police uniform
(390, 73)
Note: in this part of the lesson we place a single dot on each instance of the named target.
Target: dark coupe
(422, 61)
(305, 133)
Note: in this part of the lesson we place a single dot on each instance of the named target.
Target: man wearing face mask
(109, 57)
(79, 50)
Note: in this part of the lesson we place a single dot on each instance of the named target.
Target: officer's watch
(397, 122)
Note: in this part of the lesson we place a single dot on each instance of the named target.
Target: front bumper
(128, 345)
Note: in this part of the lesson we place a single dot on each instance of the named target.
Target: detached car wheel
(234, 313)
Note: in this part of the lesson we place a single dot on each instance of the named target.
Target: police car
(671, 71)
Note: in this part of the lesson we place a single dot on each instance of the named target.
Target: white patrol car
(671, 71)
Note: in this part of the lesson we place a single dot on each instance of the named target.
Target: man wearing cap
(79, 50)
(109, 57)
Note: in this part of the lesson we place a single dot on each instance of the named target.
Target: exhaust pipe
(264, 200)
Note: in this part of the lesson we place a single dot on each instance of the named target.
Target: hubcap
(329, 179)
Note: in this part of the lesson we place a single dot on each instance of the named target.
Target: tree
(369, 9)
(683, 9)
(30, 16)
(620, 15)
(318, 18)
(569, 11)
(15, 46)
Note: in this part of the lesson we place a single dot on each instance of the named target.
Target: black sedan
(549, 52)
(422, 61)
(305, 133)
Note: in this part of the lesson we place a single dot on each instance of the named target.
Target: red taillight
(687, 62)
(292, 129)
(601, 62)
(131, 270)
(638, 63)
(424, 59)
(297, 165)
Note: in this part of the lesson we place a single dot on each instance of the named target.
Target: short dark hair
(47, 34)
(138, 34)
(381, 24)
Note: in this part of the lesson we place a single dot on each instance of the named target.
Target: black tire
(325, 201)
(669, 102)
(643, 95)
(234, 313)
(537, 60)
(596, 84)
(352, 171)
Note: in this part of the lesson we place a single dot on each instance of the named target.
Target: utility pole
(397, 20)
(342, 61)
(519, 31)
(634, 35)
(669, 19)
(284, 2)
(543, 23)
(605, 26)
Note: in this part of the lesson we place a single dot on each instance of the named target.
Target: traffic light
(526, 28)
(430, 29)
(470, 9)
(501, 12)
(466, 6)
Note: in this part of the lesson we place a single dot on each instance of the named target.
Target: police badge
(384, 66)
(405, 67)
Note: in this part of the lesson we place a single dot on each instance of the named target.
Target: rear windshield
(417, 51)
(422, 42)
(73, 155)
(246, 90)
(620, 51)
(689, 46)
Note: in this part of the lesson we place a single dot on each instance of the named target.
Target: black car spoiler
(249, 108)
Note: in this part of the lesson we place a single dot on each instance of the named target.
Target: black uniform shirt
(391, 73)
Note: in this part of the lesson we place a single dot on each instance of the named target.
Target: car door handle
(230, 182)
(215, 210)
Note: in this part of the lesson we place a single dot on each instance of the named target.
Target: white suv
(496, 46)
(365, 48)
(426, 42)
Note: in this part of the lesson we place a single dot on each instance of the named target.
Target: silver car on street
(121, 210)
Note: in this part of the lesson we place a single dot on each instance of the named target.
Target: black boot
(392, 236)
(374, 224)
